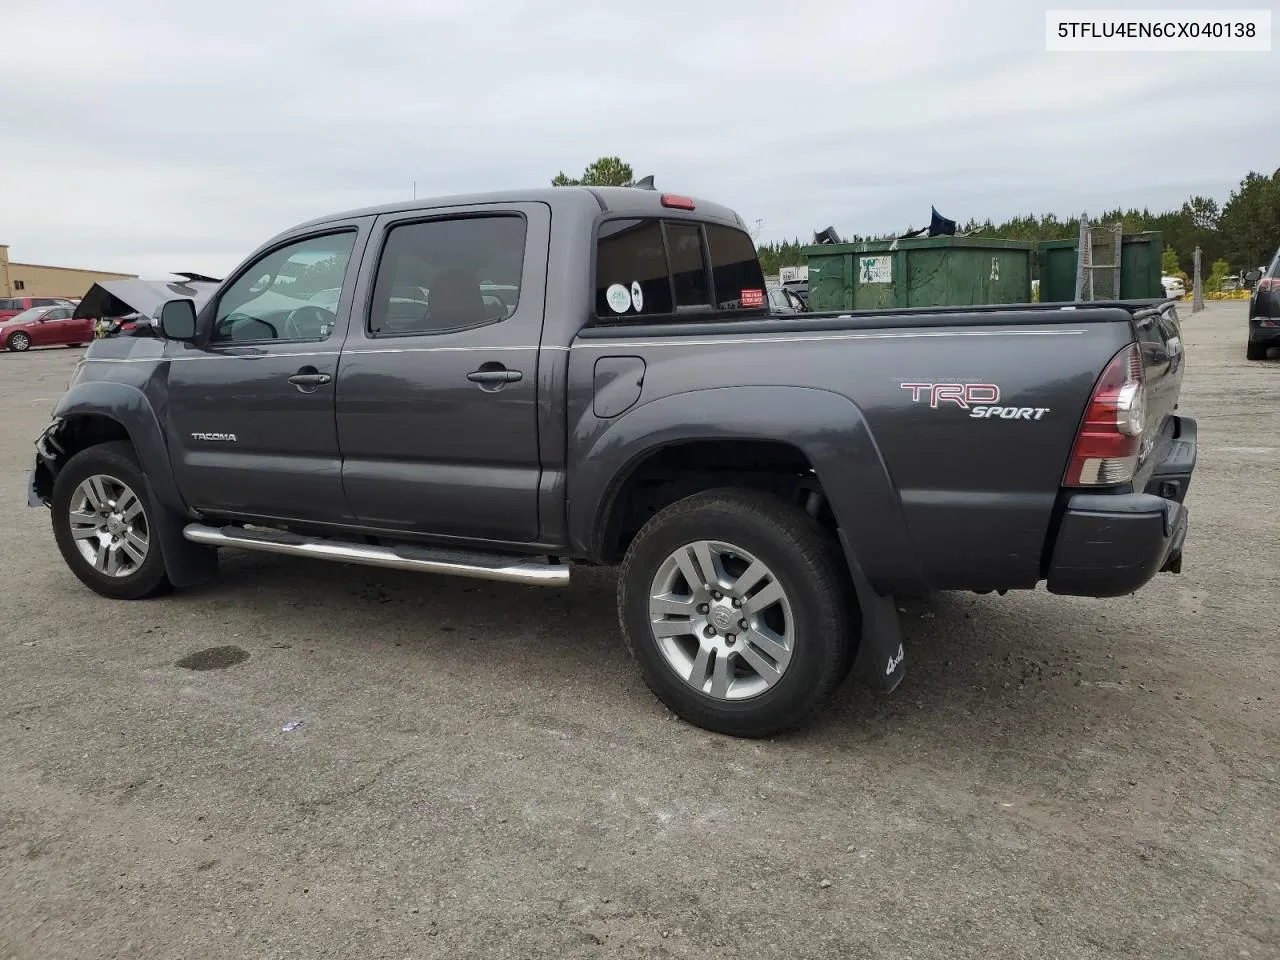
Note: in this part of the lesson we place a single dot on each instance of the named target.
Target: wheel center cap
(722, 618)
(114, 526)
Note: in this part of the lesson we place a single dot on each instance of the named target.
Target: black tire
(807, 564)
(1255, 351)
(19, 343)
(117, 461)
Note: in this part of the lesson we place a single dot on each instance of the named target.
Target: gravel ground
(477, 770)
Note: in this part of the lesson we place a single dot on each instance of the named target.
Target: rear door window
(444, 276)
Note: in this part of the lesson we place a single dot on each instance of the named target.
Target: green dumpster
(920, 272)
(1139, 267)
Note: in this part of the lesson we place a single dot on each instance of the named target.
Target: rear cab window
(658, 268)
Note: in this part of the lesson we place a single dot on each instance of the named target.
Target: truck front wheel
(103, 522)
(735, 605)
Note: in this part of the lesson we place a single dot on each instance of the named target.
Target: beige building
(36, 280)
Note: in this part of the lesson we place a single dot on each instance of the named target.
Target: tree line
(1243, 232)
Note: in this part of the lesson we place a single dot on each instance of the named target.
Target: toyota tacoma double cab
(506, 386)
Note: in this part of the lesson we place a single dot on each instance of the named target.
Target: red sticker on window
(752, 298)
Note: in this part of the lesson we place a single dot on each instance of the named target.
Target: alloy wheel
(721, 619)
(109, 526)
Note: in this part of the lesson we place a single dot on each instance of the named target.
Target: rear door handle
(494, 374)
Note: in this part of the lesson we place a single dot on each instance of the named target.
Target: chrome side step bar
(459, 563)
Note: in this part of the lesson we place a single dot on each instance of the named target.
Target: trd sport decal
(980, 399)
(961, 394)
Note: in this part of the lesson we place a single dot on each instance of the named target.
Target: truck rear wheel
(103, 522)
(1255, 351)
(736, 607)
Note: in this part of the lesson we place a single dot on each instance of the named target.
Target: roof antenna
(645, 184)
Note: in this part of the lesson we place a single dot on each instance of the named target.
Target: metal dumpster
(1139, 267)
(922, 272)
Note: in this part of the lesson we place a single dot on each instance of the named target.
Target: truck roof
(624, 200)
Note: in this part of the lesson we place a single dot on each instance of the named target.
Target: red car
(44, 327)
(12, 306)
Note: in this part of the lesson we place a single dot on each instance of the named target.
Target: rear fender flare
(828, 428)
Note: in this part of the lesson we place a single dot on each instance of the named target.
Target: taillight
(676, 202)
(1107, 446)
(1269, 283)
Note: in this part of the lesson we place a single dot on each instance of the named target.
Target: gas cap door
(618, 382)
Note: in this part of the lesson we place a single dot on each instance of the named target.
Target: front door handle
(309, 379)
(494, 374)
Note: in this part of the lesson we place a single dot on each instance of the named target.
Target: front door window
(291, 294)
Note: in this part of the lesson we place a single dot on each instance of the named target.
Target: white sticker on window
(618, 297)
(637, 296)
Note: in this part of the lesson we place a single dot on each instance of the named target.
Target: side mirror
(178, 320)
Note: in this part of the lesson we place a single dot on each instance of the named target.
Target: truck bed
(891, 409)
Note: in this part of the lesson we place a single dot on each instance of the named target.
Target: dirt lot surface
(476, 770)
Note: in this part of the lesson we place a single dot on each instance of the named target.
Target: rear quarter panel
(930, 495)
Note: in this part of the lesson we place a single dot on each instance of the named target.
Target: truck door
(252, 404)
(438, 387)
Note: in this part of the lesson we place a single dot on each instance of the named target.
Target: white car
(1173, 287)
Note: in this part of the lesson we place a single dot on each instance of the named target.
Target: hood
(119, 298)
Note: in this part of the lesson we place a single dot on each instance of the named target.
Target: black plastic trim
(1109, 545)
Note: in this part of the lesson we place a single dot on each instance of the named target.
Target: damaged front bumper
(49, 455)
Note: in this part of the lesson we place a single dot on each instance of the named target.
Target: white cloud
(150, 136)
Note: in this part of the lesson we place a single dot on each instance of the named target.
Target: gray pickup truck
(504, 386)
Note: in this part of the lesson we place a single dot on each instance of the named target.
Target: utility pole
(1197, 285)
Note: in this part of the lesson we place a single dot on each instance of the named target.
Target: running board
(459, 563)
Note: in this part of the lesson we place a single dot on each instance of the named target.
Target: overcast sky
(147, 137)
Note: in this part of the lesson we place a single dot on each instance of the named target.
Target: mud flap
(185, 563)
(881, 659)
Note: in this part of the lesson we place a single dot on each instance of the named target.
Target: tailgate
(1160, 340)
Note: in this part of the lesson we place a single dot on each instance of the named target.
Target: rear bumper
(1108, 545)
(1268, 334)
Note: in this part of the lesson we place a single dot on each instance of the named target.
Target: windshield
(26, 316)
